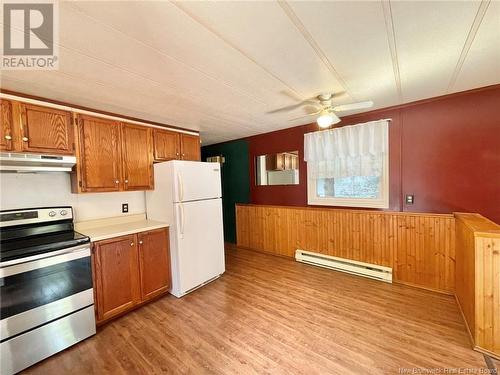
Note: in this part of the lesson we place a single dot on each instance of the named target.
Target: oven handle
(43, 260)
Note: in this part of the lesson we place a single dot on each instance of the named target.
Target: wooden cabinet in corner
(154, 263)
(112, 156)
(6, 126)
(129, 271)
(169, 145)
(190, 147)
(166, 145)
(35, 129)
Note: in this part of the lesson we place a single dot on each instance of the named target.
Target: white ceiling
(220, 67)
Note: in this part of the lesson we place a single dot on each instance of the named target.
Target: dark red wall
(445, 151)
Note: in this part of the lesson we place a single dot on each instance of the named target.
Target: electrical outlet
(410, 199)
(124, 208)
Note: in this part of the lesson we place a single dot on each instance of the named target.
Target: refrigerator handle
(181, 226)
(180, 186)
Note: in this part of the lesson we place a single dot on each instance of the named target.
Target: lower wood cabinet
(129, 271)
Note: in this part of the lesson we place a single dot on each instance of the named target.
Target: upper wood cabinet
(31, 128)
(113, 156)
(46, 130)
(6, 134)
(129, 271)
(116, 277)
(99, 155)
(190, 147)
(170, 145)
(166, 145)
(154, 263)
(137, 151)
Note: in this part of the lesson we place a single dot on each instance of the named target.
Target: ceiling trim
(236, 48)
(391, 39)
(17, 96)
(314, 45)
(478, 19)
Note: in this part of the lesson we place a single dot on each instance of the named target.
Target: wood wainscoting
(420, 248)
(478, 280)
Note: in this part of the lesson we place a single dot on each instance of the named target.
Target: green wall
(235, 180)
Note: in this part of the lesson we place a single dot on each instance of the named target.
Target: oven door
(42, 290)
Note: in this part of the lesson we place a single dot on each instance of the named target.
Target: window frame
(381, 202)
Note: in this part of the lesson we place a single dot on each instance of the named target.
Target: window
(348, 166)
(349, 187)
(352, 191)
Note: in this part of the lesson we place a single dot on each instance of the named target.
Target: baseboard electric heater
(371, 271)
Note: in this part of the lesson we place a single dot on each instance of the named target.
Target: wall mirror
(281, 168)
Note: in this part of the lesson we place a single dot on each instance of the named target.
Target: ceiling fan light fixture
(327, 119)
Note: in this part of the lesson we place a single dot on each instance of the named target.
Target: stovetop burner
(29, 232)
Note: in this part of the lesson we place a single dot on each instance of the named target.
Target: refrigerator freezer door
(195, 181)
(199, 244)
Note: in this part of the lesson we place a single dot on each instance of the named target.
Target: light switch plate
(124, 208)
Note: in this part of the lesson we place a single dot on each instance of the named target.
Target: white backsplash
(19, 190)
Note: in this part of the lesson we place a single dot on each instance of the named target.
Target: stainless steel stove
(46, 292)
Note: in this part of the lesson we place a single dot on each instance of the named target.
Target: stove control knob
(52, 213)
(63, 212)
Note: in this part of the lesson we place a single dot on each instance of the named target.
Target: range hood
(18, 162)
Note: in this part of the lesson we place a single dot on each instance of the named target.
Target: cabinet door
(100, 154)
(154, 263)
(46, 130)
(166, 145)
(137, 157)
(116, 276)
(190, 147)
(6, 125)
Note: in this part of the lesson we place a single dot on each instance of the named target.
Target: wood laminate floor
(272, 315)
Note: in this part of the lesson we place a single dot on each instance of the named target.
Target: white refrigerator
(187, 195)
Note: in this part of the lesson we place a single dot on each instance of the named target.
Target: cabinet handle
(126, 181)
(117, 182)
(131, 244)
(140, 242)
(8, 137)
(177, 153)
(25, 139)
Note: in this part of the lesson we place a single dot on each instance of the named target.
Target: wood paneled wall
(419, 247)
(464, 271)
(478, 279)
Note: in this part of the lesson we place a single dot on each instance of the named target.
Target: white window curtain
(356, 150)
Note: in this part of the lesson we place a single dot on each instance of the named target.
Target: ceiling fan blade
(286, 109)
(350, 107)
(294, 106)
(309, 114)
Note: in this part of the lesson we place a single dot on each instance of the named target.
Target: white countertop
(103, 229)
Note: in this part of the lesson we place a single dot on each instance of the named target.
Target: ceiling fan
(327, 112)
